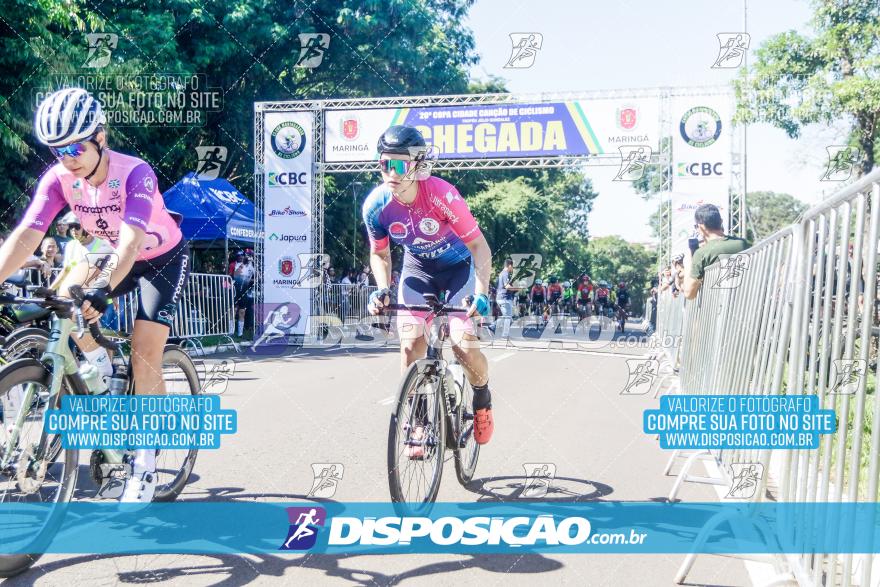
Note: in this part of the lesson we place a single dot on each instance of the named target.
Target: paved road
(559, 407)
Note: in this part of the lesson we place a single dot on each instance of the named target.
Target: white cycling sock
(100, 359)
(145, 459)
(240, 327)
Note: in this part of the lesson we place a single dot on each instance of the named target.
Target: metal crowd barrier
(347, 301)
(799, 317)
(207, 308)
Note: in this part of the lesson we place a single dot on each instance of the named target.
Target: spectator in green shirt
(715, 245)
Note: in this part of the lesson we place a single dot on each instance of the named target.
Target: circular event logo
(700, 126)
(288, 140)
(429, 226)
(398, 230)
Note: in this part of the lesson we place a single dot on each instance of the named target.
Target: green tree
(770, 211)
(828, 77)
(614, 259)
(33, 34)
(513, 216)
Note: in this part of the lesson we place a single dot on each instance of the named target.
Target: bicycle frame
(61, 362)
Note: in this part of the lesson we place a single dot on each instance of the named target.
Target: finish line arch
(297, 143)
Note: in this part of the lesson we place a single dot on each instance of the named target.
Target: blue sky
(590, 45)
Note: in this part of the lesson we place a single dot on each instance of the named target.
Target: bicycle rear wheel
(416, 440)
(25, 479)
(173, 467)
(467, 450)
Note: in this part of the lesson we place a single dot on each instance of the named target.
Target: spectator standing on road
(243, 278)
(716, 245)
(504, 296)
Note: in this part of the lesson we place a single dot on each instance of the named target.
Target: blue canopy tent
(212, 210)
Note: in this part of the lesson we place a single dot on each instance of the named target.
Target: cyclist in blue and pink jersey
(445, 252)
(116, 198)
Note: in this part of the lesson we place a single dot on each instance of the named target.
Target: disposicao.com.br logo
(424, 534)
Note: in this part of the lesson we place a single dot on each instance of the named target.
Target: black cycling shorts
(160, 284)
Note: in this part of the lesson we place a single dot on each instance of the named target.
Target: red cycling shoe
(484, 425)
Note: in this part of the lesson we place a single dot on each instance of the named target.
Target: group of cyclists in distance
(581, 296)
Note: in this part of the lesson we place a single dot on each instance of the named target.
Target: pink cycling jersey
(130, 194)
(435, 227)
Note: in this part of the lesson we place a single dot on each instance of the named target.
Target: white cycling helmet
(67, 116)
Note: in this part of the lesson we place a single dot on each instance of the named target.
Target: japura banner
(509, 130)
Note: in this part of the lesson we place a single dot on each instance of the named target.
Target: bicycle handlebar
(64, 308)
(95, 330)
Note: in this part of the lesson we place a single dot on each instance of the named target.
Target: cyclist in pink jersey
(445, 252)
(116, 198)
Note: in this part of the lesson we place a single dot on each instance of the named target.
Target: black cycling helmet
(399, 139)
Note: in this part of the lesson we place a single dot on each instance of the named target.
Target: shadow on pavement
(511, 488)
(241, 570)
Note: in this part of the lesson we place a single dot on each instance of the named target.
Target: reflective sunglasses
(71, 150)
(398, 166)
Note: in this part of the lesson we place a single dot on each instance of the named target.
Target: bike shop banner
(683, 208)
(287, 216)
(701, 145)
(509, 130)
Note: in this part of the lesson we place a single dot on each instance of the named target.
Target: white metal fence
(347, 301)
(799, 316)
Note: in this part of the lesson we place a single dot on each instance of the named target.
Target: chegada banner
(507, 130)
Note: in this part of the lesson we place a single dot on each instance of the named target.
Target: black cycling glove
(98, 298)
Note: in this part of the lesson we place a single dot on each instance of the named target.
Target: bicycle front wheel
(34, 467)
(416, 439)
(174, 467)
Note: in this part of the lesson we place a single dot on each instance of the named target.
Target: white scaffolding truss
(662, 158)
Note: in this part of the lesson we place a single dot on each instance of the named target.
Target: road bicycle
(621, 317)
(34, 466)
(433, 413)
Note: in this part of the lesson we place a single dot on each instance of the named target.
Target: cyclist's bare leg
(472, 359)
(147, 347)
(413, 345)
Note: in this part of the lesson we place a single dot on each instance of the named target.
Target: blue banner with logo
(467, 528)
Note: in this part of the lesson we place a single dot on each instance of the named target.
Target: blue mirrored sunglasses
(71, 150)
